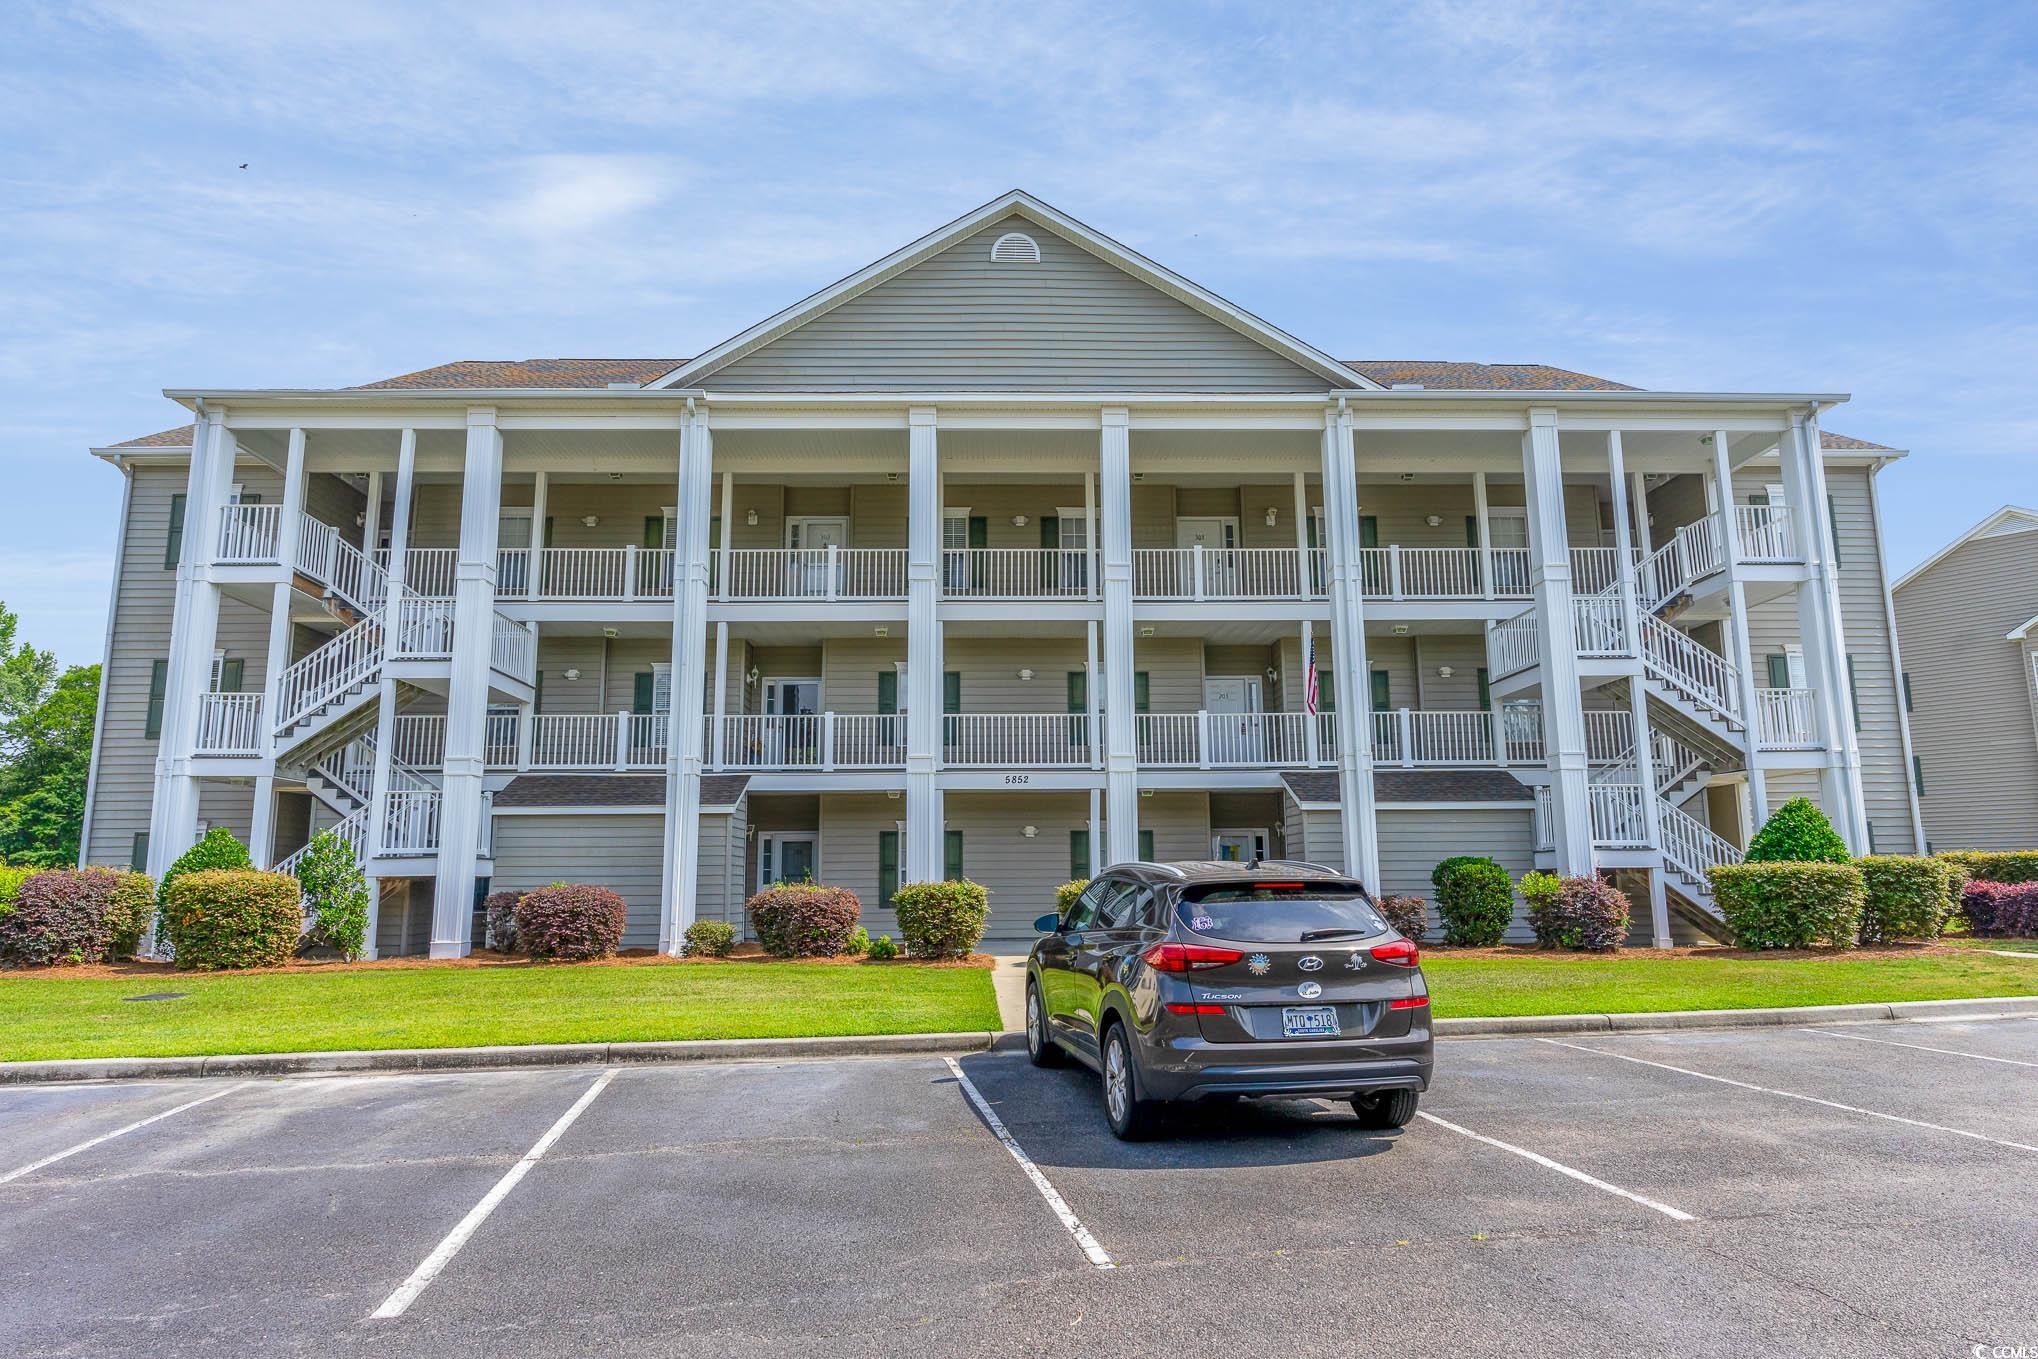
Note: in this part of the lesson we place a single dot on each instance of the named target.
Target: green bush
(1450, 865)
(859, 942)
(574, 921)
(804, 919)
(218, 849)
(709, 939)
(1790, 905)
(1066, 894)
(1475, 901)
(335, 896)
(11, 879)
(129, 909)
(1409, 915)
(941, 919)
(233, 917)
(1798, 833)
(1540, 892)
(1992, 866)
(74, 915)
(883, 949)
(1904, 897)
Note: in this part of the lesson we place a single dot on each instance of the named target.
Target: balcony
(818, 741)
(1207, 740)
(1030, 740)
(985, 573)
(230, 725)
(623, 740)
(808, 573)
(1785, 720)
(410, 821)
(1199, 573)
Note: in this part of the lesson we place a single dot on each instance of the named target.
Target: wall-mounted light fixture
(1433, 520)
(360, 519)
(1273, 516)
(751, 678)
(590, 520)
(1400, 629)
(610, 633)
(571, 674)
(750, 518)
(1029, 831)
(1272, 674)
(1443, 672)
(1146, 632)
(1026, 673)
(881, 631)
(1018, 521)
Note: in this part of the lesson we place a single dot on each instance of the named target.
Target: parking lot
(1867, 1188)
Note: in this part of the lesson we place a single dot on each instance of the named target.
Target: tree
(25, 679)
(335, 895)
(1798, 832)
(46, 721)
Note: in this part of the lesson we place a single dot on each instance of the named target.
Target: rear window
(1262, 913)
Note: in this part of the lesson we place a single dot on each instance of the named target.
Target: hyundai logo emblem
(1309, 990)
(1310, 963)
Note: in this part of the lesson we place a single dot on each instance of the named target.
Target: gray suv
(1193, 981)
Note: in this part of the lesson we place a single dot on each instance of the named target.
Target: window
(1853, 694)
(1085, 908)
(1382, 696)
(1907, 691)
(1118, 906)
(887, 867)
(951, 857)
(1779, 670)
(1146, 846)
(1833, 522)
(138, 857)
(1918, 773)
(1079, 855)
(229, 674)
(173, 541)
(159, 683)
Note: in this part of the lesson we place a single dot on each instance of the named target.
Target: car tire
(1131, 1118)
(1041, 1050)
(1385, 1109)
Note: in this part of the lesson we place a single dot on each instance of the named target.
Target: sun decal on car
(1259, 964)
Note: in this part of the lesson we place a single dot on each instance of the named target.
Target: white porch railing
(512, 573)
(1766, 533)
(1521, 725)
(1015, 573)
(1514, 644)
(1609, 735)
(1705, 678)
(1414, 736)
(1221, 573)
(351, 768)
(1035, 740)
(333, 669)
(765, 573)
(621, 740)
(1618, 818)
(229, 724)
(1545, 819)
(1600, 625)
(1204, 740)
(1594, 570)
(825, 741)
(1693, 553)
(410, 821)
(338, 565)
(424, 629)
(513, 649)
(353, 832)
(249, 534)
(420, 740)
(1691, 848)
(1785, 719)
(427, 570)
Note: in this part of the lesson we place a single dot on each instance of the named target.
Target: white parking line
(1788, 1094)
(1678, 1214)
(1096, 1253)
(1920, 1047)
(396, 1303)
(90, 1143)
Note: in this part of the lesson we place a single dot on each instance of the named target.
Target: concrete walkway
(1008, 979)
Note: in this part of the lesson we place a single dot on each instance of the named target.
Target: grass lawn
(431, 1006)
(1482, 982)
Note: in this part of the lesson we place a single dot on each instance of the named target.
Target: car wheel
(1040, 1049)
(1385, 1109)
(1131, 1118)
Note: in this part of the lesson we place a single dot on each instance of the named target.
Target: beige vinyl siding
(959, 322)
(1180, 822)
(997, 504)
(990, 672)
(1021, 873)
(849, 671)
(1414, 841)
(1412, 663)
(1973, 717)
(849, 825)
(1322, 839)
(624, 853)
(878, 515)
(403, 918)
(1174, 673)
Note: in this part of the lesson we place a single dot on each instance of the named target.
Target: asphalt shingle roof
(179, 437)
(536, 373)
(613, 790)
(1418, 785)
(1449, 376)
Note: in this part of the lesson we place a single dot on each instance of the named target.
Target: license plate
(1309, 1021)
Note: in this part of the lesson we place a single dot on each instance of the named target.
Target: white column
(385, 719)
(1738, 650)
(371, 518)
(173, 818)
(541, 493)
(1357, 824)
(1550, 588)
(1121, 736)
(1482, 513)
(728, 516)
(689, 676)
(1824, 631)
(1093, 700)
(465, 762)
(923, 648)
(262, 833)
(1641, 513)
(1302, 535)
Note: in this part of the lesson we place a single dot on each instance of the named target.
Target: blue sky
(1791, 196)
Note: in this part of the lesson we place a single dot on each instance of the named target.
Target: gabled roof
(545, 374)
(1023, 204)
(2008, 519)
(180, 437)
(1444, 375)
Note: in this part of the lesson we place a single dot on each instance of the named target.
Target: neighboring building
(1011, 554)
(1968, 621)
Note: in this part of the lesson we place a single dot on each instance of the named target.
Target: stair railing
(1704, 678)
(1691, 848)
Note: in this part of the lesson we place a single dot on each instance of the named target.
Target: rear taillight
(1188, 1008)
(1401, 953)
(1410, 1003)
(1188, 957)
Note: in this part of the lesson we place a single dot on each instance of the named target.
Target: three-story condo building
(1012, 554)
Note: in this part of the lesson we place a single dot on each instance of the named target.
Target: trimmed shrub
(1990, 866)
(499, 912)
(1798, 833)
(129, 910)
(941, 919)
(233, 917)
(1997, 908)
(1594, 912)
(218, 849)
(882, 949)
(1540, 891)
(709, 939)
(1450, 865)
(1066, 894)
(574, 921)
(335, 896)
(64, 915)
(804, 920)
(1905, 897)
(859, 942)
(11, 879)
(1790, 905)
(1409, 915)
(1475, 901)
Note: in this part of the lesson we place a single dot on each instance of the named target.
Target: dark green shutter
(654, 530)
(1079, 855)
(159, 684)
(1871, 837)
(715, 534)
(641, 700)
(887, 867)
(1146, 846)
(1382, 695)
(1050, 530)
(887, 692)
(173, 541)
(233, 672)
(979, 531)
(1471, 530)
(537, 691)
(1918, 773)
(548, 530)
(1853, 694)
(138, 857)
(1326, 691)
(951, 691)
(1779, 670)
(1907, 691)
(1369, 530)
(1833, 522)
(952, 856)
(1312, 533)
(1079, 691)
(1142, 688)
(1485, 690)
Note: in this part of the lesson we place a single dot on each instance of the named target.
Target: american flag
(1309, 677)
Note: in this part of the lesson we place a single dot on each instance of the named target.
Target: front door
(1236, 729)
(1238, 846)
(810, 538)
(785, 856)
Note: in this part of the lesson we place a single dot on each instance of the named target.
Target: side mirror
(1047, 924)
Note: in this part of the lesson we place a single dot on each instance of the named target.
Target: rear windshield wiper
(1311, 936)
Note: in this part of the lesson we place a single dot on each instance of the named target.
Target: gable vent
(1015, 247)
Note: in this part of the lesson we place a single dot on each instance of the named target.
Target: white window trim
(768, 843)
(1264, 837)
(766, 684)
